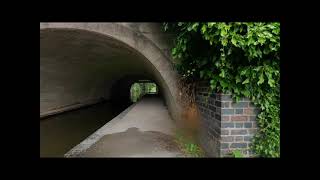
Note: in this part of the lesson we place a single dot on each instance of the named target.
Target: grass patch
(188, 145)
(237, 154)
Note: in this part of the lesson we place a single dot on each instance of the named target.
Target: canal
(60, 133)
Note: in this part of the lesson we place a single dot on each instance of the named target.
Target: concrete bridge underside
(81, 63)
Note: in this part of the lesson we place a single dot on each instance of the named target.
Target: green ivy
(237, 154)
(238, 57)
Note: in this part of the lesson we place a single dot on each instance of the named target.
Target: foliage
(237, 154)
(238, 57)
(188, 145)
(136, 91)
(150, 87)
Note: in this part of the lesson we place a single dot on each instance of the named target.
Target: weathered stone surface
(224, 145)
(227, 138)
(238, 111)
(227, 125)
(239, 118)
(240, 105)
(238, 125)
(226, 104)
(239, 132)
(248, 138)
(227, 111)
(238, 138)
(238, 145)
(225, 132)
(225, 118)
(248, 125)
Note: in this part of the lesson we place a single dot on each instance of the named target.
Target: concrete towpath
(145, 129)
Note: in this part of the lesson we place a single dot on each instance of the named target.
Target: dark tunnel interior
(79, 67)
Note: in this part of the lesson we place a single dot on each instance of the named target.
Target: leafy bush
(237, 154)
(188, 145)
(242, 58)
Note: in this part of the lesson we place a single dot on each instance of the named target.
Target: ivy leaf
(204, 28)
(237, 99)
(246, 93)
(206, 36)
(227, 27)
(276, 31)
(194, 26)
(238, 79)
(174, 50)
(261, 79)
(213, 84)
(271, 83)
(223, 84)
(211, 24)
(267, 33)
(233, 41)
(245, 81)
(261, 40)
(257, 69)
(243, 72)
(224, 41)
(222, 74)
(223, 32)
(236, 90)
(217, 64)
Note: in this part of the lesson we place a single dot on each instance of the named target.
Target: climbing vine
(238, 57)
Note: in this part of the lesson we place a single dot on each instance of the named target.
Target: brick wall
(225, 125)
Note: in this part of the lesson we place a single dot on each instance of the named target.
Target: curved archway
(83, 61)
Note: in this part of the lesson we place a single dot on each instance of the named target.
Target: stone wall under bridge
(225, 125)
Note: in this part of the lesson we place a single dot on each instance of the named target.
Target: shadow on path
(134, 143)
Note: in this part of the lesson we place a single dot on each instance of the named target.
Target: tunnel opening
(131, 88)
(80, 67)
(142, 88)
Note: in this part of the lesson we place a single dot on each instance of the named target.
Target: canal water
(60, 133)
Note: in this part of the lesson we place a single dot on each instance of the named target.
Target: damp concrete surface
(145, 129)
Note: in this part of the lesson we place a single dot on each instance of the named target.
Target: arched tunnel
(77, 66)
(81, 65)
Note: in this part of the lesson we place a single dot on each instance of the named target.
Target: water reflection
(60, 133)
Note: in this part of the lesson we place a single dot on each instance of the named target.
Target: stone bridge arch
(89, 58)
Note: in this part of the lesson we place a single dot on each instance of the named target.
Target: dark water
(60, 133)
